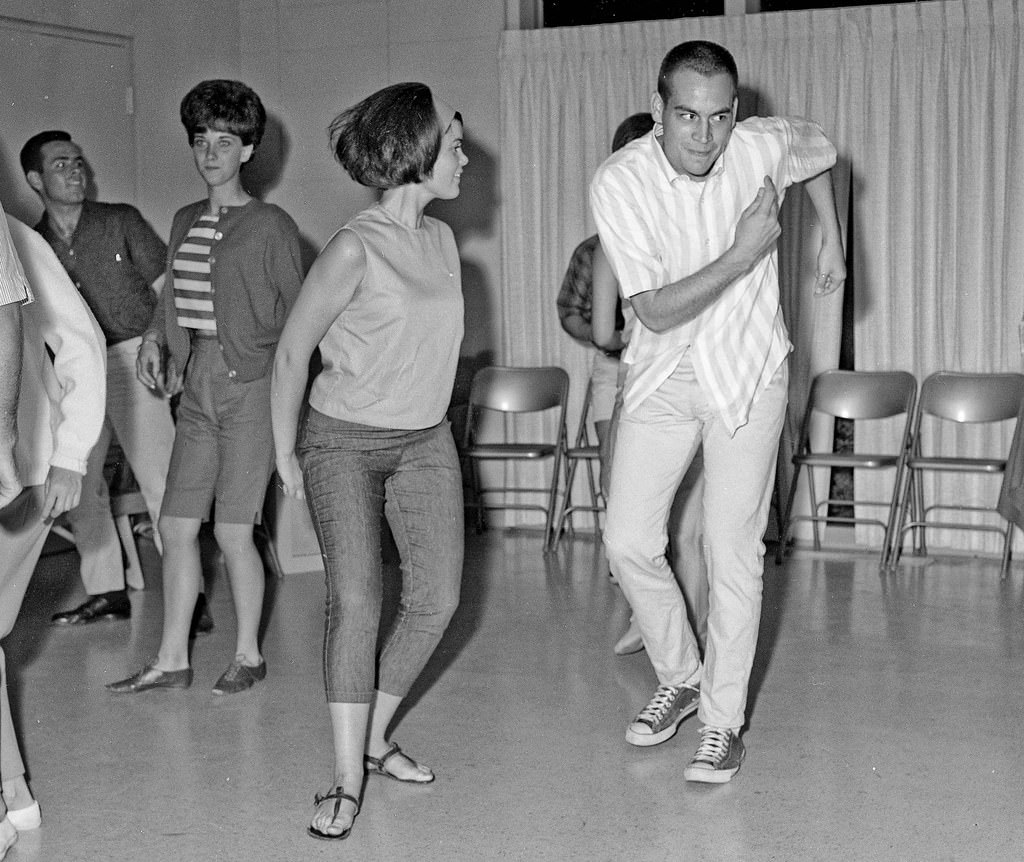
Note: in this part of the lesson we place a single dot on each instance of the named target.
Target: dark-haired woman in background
(384, 303)
(234, 270)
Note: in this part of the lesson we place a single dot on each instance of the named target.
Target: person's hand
(831, 272)
(148, 365)
(10, 484)
(61, 492)
(290, 474)
(758, 228)
(174, 381)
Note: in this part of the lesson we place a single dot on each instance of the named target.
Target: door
(71, 79)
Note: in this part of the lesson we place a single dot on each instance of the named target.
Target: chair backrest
(961, 397)
(863, 394)
(519, 390)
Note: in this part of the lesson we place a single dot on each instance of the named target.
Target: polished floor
(884, 725)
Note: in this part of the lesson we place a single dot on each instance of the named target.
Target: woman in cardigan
(384, 302)
(234, 270)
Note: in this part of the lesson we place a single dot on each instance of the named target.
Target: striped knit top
(193, 288)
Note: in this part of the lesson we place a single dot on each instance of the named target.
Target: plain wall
(313, 59)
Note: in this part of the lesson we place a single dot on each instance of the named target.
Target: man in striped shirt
(688, 216)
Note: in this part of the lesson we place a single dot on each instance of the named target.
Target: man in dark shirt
(117, 262)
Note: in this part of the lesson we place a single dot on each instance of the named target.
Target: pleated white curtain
(921, 102)
(939, 203)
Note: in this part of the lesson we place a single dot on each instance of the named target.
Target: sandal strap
(378, 762)
(338, 795)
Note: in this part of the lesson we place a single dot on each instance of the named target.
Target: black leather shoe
(106, 606)
(151, 677)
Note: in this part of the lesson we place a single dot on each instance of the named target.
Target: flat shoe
(379, 765)
(239, 677)
(152, 677)
(106, 606)
(338, 795)
(27, 818)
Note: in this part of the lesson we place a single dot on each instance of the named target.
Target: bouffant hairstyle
(704, 58)
(631, 128)
(31, 155)
(390, 138)
(224, 106)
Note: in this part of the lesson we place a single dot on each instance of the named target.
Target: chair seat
(840, 459)
(504, 451)
(958, 465)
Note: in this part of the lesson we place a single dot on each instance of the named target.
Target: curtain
(939, 203)
(921, 103)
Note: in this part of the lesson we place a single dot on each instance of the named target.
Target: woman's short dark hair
(704, 58)
(390, 138)
(224, 106)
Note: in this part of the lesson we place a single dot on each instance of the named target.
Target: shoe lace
(660, 704)
(714, 744)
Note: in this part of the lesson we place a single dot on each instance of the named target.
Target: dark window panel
(576, 13)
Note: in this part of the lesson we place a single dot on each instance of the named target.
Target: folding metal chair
(589, 454)
(963, 399)
(861, 396)
(512, 392)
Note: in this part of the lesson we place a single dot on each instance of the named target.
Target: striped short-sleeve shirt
(193, 287)
(658, 226)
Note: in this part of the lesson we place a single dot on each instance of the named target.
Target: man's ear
(657, 106)
(35, 179)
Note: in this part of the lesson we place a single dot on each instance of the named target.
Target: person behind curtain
(688, 216)
(575, 303)
(611, 322)
(384, 302)
(60, 414)
(234, 271)
(590, 310)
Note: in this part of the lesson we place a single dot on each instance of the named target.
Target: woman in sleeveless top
(384, 303)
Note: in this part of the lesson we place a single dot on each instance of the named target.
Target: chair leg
(892, 522)
(814, 508)
(907, 507)
(549, 525)
(918, 515)
(563, 511)
(780, 550)
(478, 502)
(593, 499)
(1007, 551)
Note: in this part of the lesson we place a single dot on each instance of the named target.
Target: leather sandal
(378, 765)
(338, 795)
